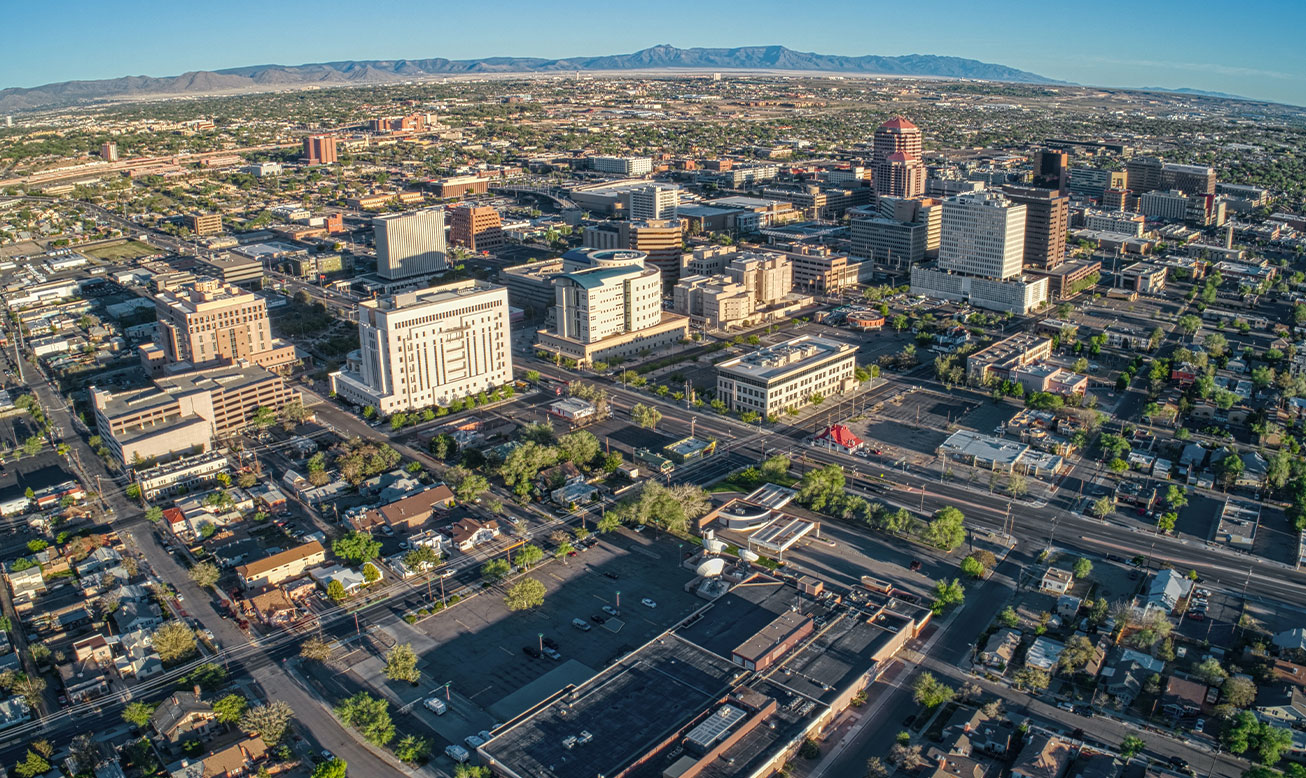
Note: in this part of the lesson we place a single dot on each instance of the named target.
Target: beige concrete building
(428, 347)
(662, 240)
(786, 375)
(608, 303)
(206, 322)
(712, 302)
(767, 277)
(410, 244)
(475, 227)
(1000, 359)
(203, 223)
(183, 413)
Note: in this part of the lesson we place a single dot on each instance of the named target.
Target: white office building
(786, 375)
(622, 166)
(1170, 206)
(983, 234)
(654, 202)
(410, 244)
(428, 347)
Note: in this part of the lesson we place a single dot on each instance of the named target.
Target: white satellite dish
(748, 555)
(712, 567)
(715, 546)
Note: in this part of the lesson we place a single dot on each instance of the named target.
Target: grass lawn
(130, 249)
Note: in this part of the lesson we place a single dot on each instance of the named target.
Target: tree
(1189, 324)
(412, 749)
(1238, 692)
(332, 768)
(229, 709)
(422, 558)
(1132, 746)
(137, 713)
(608, 523)
(1008, 617)
(947, 594)
(371, 573)
(906, 757)
(1271, 742)
(471, 771)
(468, 486)
(495, 570)
(579, 447)
(875, 768)
(1165, 522)
(1102, 506)
(356, 547)
(268, 721)
(154, 514)
(174, 641)
(1229, 469)
(529, 556)
(369, 715)
(525, 594)
(315, 649)
(262, 417)
(821, 486)
(401, 664)
(1083, 567)
(32, 765)
(204, 574)
(645, 416)
(930, 692)
(946, 530)
(1209, 672)
(972, 567)
(1241, 732)
(1032, 679)
(1079, 651)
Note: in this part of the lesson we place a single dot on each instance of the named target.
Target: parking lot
(479, 647)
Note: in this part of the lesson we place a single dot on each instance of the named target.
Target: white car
(646, 602)
(611, 611)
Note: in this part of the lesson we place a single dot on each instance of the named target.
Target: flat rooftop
(984, 447)
(776, 362)
(627, 709)
(430, 296)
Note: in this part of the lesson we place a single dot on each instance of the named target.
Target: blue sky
(1252, 49)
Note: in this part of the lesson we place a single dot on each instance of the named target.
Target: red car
(1197, 616)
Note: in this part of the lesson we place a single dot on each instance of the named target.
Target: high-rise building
(766, 277)
(1189, 179)
(1047, 216)
(475, 227)
(711, 301)
(1051, 170)
(654, 202)
(1092, 182)
(608, 303)
(891, 244)
(208, 322)
(109, 151)
(1169, 206)
(1144, 174)
(410, 244)
(896, 159)
(428, 347)
(1121, 222)
(983, 235)
(662, 240)
(320, 149)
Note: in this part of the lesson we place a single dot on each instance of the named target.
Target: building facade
(896, 159)
(207, 322)
(410, 244)
(622, 166)
(320, 150)
(429, 347)
(475, 227)
(1047, 216)
(983, 235)
(654, 202)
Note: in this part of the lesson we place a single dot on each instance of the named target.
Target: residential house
(1000, 648)
(1044, 652)
(1095, 764)
(14, 711)
(282, 566)
(1123, 682)
(1044, 755)
(135, 615)
(1282, 704)
(183, 717)
(1292, 639)
(407, 513)
(351, 580)
(95, 648)
(1289, 672)
(83, 681)
(431, 538)
(137, 658)
(470, 533)
(1166, 590)
(1182, 697)
(992, 737)
(1056, 581)
(272, 607)
(233, 761)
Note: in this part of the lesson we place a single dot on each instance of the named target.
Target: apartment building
(410, 244)
(320, 150)
(207, 322)
(475, 227)
(428, 347)
(786, 375)
(183, 413)
(203, 223)
(1122, 222)
(281, 567)
(1166, 206)
(658, 201)
(608, 303)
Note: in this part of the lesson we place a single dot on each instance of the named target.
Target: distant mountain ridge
(391, 71)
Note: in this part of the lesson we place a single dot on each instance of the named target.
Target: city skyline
(1153, 50)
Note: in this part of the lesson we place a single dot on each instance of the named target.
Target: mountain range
(663, 57)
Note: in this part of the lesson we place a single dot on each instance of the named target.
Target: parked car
(473, 741)
(457, 753)
(551, 643)
(608, 609)
(552, 653)
(597, 619)
(436, 705)
(915, 565)
(648, 603)
(610, 574)
(531, 651)
(580, 624)
(1196, 616)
